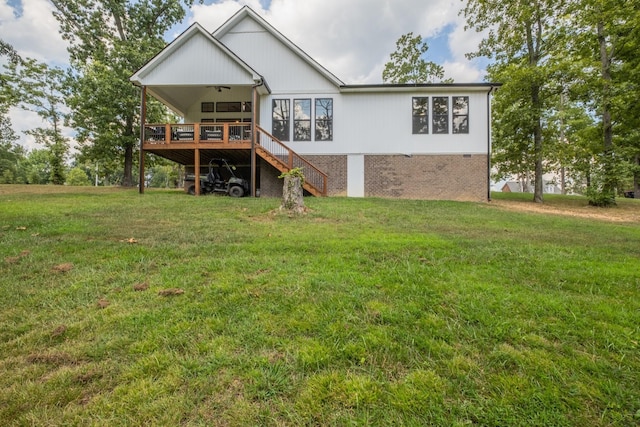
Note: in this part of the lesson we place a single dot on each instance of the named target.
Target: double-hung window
(420, 116)
(324, 119)
(440, 112)
(302, 120)
(281, 117)
(460, 118)
(308, 124)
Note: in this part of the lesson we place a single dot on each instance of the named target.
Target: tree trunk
(636, 178)
(292, 195)
(127, 180)
(533, 48)
(610, 180)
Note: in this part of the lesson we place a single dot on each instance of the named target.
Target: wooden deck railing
(172, 133)
(278, 154)
(226, 135)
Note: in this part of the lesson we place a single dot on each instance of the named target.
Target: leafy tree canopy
(407, 64)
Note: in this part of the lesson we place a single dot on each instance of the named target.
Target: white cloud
(34, 32)
(21, 121)
(353, 39)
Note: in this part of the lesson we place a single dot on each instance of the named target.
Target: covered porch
(218, 97)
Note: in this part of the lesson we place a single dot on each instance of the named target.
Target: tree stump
(292, 194)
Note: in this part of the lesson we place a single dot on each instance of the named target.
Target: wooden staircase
(281, 157)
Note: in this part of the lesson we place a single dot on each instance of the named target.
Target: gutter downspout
(489, 143)
(254, 133)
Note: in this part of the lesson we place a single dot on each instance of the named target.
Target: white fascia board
(416, 88)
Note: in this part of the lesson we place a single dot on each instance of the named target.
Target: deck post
(143, 120)
(254, 136)
(196, 167)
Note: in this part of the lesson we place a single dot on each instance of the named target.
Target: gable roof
(246, 11)
(195, 59)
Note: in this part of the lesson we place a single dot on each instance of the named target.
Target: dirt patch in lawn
(624, 212)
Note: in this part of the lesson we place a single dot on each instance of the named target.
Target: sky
(351, 38)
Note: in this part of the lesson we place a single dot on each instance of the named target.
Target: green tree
(108, 41)
(10, 153)
(37, 166)
(520, 39)
(41, 89)
(602, 39)
(407, 64)
(77, 177)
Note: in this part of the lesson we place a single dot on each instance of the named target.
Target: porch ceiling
(181, 97)
(178, 98)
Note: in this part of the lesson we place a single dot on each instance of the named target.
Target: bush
(77, 177)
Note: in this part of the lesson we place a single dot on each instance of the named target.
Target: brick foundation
(428, 177)
(431, 177)
(268, 183)
(336, 169)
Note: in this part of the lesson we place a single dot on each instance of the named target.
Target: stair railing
(289, 159)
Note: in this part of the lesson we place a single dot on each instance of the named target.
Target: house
(512, 187)
(248, 94)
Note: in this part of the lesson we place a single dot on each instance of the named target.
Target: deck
(195, 144)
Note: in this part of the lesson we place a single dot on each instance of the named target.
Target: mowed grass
(167, 309)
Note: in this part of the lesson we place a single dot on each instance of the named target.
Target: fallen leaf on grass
(59, 331)
(63, 268)
(103, 303)
(170, 292)
(141, 286)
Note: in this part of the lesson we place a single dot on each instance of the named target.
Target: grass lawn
(167, 309)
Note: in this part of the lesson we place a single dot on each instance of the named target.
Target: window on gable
(281, 117)
(440, 113)
(460, 118)
(324, 119)
(302, 120)
(420, 115)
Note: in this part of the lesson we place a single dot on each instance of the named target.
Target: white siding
(381, 123)
(198, 62)
(284, 71)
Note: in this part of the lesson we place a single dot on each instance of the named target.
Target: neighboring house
(248, 94)
(512, 187)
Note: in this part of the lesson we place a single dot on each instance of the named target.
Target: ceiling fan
(219, 88)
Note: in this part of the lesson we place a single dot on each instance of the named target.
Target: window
(324, 119)
(207, 107)
(302, 120)
(440, 114)
(420, 115)
(460, 119)
(281, 116)
(229, 107)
